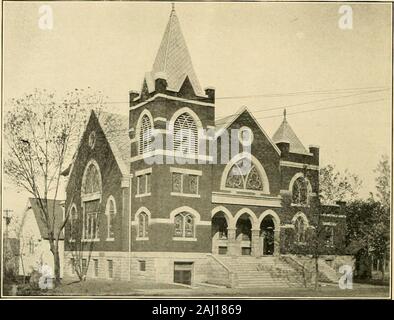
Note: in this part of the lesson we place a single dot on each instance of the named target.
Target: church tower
(168, 123)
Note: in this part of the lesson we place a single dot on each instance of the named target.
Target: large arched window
(300, 230)
(300, 191)
(92, 183)
(244, 175)
(145, 135)
(143, 222)
(111, 214)
(91, 197)
(184, 225)
(185, 134)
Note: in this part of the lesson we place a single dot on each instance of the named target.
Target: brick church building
(174, 211)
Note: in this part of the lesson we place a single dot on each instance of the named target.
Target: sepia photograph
(196, 150)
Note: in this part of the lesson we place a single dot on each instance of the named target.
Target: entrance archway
(267, 236)
(219, 231)
(243, 233)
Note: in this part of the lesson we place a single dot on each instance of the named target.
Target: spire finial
(284, 114)
(172, 6)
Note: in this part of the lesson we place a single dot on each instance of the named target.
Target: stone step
(252, 272)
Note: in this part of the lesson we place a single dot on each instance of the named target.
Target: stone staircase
(327, 273)
(269, 271)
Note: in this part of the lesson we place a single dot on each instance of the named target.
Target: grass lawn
(94, 287)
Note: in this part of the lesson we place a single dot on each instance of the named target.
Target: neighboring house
(33, 236)
(177, 222)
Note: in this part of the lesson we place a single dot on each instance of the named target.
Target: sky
(335, 83)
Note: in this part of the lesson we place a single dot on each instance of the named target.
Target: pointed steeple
(286, 134)
(173, 61)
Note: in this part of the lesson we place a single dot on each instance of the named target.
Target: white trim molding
(332, 224)
(287, 226)
(298, 165)
(143, 171)
(186, 171)
(186, 195)
(200, 158)
(226, 212)
(161, 95)
(183, 239)
(261, 201)
(342, 216)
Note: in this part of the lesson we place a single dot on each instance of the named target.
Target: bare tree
(81, 250)
(41, 133)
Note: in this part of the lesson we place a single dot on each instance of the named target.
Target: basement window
(142, 264)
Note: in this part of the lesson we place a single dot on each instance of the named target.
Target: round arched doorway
(267, 236)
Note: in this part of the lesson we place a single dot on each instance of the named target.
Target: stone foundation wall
(159, 266)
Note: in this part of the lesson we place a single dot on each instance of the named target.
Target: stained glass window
(299, 228)
(178, 225)
(111, 219)
(300, 191)
(244, 175)
(176, 182)
(92, 180)
(141, 184)
(91, 223)
(184, 225)
(193, 184)
(143, 225)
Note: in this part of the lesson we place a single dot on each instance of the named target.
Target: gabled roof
(115, 127)
(286, 134)
(55, 217)
(223, 123)
(173, 61)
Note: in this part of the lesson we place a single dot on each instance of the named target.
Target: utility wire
(325, 108)
(304, 103)
(333, 91)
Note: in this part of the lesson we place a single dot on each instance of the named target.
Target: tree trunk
(383, 269)
(56, 259)
(57, 266)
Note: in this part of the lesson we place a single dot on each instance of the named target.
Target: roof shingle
(173, 59)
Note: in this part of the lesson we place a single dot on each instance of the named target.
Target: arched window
(91, 197)
(244, 175)
(143, 221)
(73, 223)
(184, 225)
(300, 229)
(145, 135)
(300, 191)
(185, 134)
(111, 214)
(92, 181)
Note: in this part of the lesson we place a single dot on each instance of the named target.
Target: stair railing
(231, 276)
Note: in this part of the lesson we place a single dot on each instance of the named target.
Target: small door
(183, 272)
